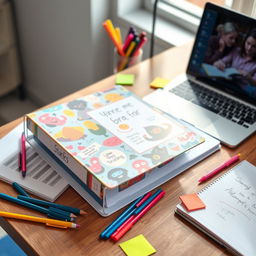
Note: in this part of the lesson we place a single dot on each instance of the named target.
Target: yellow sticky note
(159, 82)
(137, 246)
(192, 202)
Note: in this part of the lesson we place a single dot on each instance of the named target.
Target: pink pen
(133, 219)
(128, 41)
(23, 164)
(220, 168)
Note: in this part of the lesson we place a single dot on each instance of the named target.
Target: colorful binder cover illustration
(110, 139)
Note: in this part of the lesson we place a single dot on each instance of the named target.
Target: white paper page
(41, 179)
(230, 211)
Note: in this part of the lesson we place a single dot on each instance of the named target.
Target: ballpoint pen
(19, 189)
(133, 219)
(48, 204)
(122, 217)
(219, 169)
(50, 212)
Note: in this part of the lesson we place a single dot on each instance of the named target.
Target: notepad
(41, 179)
(137, 246)
(230, 213)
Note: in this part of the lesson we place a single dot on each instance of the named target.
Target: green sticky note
(137, 246)
(125, 79)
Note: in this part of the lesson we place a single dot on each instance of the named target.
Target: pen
(48, 222)
(219, 169)
(23, 155)
(128, 41)
(19, 189)
(140, 207)
(143, 40)
(124, 218)
(46, 203)
(125, 228)
(51, 212)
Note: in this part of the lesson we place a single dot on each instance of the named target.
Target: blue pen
(19, 189)
(133, 212)
(51, 211)
(139, 209)
(128, 210)
(46, 203)
(118, 224)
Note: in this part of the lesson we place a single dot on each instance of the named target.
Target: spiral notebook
(231, 203)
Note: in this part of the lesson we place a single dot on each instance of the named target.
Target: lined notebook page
(230, 212)
(41, 179)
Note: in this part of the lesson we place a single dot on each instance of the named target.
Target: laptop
(219, 103)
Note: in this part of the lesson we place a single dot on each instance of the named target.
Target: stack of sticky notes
(192, 202)
(125, 79)
(137, 246)
(159, 82)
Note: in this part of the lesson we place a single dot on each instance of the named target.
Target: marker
(134, 219)
(46, 203)
(219, 169)
(128, 41)
(112, 34)
(48, 222)
(23, 155)
(143, 40)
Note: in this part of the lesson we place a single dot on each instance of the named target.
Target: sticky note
(125, 79)
(159, 82)
(137, 246)
(192, 202)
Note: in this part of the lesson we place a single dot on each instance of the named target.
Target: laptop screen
(224, 52)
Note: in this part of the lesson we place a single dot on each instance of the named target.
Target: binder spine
(69, 164)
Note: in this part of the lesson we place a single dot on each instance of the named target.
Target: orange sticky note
(192, 202)
(159, 82)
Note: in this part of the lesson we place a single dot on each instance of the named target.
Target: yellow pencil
(48, 222)
(119, 36)
(130, 49)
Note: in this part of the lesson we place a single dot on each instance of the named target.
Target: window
(185, 13)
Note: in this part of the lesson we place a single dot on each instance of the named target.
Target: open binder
(115, 200)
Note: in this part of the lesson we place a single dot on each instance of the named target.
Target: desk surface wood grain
(168, 233)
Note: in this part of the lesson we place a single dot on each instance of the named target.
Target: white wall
(63, 45)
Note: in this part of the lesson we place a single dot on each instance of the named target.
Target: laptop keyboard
(217, 103)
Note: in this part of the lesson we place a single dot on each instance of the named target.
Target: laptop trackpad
(195, 115)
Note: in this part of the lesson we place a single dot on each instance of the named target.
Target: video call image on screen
(225, 52)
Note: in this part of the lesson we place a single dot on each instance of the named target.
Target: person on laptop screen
(221, 44)
(243, 59)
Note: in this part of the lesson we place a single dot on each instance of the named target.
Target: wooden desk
(169, 234)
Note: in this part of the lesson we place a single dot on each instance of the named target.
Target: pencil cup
(123, 62)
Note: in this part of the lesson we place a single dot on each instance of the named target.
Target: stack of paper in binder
(112, 147)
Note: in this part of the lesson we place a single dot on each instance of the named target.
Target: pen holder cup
(123, 62)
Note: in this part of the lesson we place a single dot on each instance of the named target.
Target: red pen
(140, 44)
(23, 164)
(219, 169)
(133, 219)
